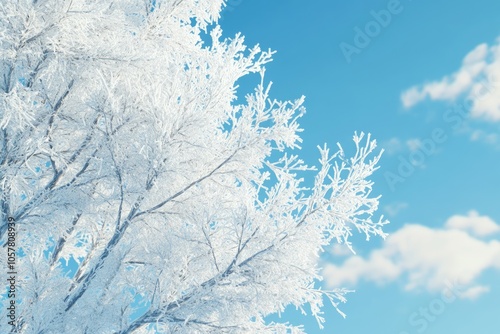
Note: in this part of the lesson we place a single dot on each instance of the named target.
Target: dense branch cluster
(146, 199)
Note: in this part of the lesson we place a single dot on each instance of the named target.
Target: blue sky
(427, 86)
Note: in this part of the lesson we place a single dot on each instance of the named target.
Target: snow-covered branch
(146, 199)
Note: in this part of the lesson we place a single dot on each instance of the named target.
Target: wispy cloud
(426, 258)
(479, 71)
(475, 291)
(393, 209)
(396, 145)
(491, 138)
(340, 250)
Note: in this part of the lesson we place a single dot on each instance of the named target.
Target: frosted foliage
(146, 199)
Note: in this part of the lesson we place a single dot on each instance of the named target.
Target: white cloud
(478, 225)
(412, 96)
(377, 268)
(424, 257)
(477, 78)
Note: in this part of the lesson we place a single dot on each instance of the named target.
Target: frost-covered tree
(146, 199)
